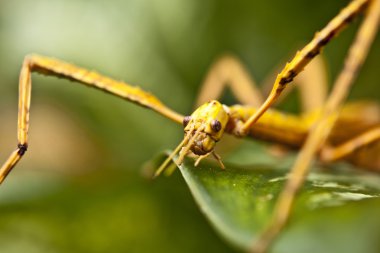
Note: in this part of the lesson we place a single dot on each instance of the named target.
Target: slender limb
(318, 135)
(229, 71)
(330, 154)
(303, 57)
(53, 67)
(312, 85)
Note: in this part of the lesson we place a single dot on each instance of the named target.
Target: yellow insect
(207, 124)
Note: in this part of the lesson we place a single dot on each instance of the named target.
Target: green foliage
(107, 211)
(336, 210)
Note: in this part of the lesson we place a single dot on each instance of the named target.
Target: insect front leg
(312, 85)
(356, 56)
(54, 67)
(304, 56)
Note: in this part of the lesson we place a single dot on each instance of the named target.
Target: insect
(206, 126)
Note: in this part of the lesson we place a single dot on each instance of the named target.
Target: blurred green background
(81, 188)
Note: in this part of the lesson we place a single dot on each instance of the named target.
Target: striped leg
(321, 130)
(303, 57)
(53, 67)
(312, 85)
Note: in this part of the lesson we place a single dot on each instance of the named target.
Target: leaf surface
(335, 211)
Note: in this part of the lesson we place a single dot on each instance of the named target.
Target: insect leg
(228, 71)
(303, 57)
(356, 56)
(330, 154)
(54, 67)
(312, 85)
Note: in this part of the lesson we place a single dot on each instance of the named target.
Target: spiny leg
(356, 56)
(312, 85)
(303, 57)
(330, 154)
(229, 71)
(53, 67)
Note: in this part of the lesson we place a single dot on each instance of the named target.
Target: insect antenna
(188, 146)
(183, 152)
(176, 150)
(170, 157)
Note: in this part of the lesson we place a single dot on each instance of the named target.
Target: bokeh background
(81, 187)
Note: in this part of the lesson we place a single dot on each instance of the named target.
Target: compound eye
(216, 125)
(186, 120)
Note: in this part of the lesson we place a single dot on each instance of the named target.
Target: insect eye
(186, 120)
(216, 125)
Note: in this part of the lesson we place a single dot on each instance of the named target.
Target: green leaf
(336, 211)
